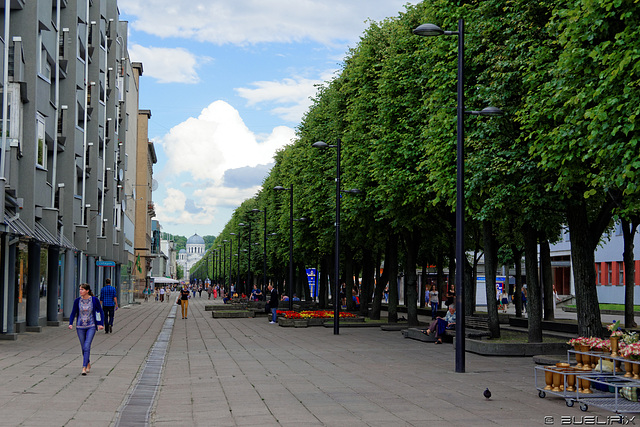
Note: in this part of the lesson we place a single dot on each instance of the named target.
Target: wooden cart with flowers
(606, 373)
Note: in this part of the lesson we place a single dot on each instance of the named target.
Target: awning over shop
(164, 280)
(12, 224)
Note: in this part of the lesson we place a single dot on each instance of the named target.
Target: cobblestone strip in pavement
(138, 405)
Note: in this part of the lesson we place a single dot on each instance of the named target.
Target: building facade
(68, 88)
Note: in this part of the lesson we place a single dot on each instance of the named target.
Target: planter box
(317, 321)
(292, 323)
(232, 314)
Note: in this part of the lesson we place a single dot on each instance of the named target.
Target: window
(41, 155)
(45, 66)
(609, 274)
(13, 112)
(621, 273)
(598, 272)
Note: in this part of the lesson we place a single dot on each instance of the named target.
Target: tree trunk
(534, 300)
(366, 289)
(323, 288)
(303, 280)
(411, 283)
(391, 264)
(490, 266)
(472, 291)
(441, 284)
(469, 289)
(584, 274)
(517, 264)
(422, 293)
(381, 282)
(547, 280)
(628, 233)
(348, 276)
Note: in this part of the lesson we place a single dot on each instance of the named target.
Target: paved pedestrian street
(202, 371)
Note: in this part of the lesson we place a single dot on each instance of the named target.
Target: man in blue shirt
(109, 300)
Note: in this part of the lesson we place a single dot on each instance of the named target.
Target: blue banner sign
(106, 263)
(312, 276)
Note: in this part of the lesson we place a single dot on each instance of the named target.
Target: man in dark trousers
(109, 300)
(273, 303)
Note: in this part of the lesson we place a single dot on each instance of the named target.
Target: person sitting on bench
(440, 325)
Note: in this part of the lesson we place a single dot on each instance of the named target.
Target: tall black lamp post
(230, 262)
(336, 285)
(290, 287)
(238, 287)
(248, 287)
(434, 30)
(264, 248)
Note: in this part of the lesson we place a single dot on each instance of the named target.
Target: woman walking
(434, 301)
(184, 301)
(89, 313)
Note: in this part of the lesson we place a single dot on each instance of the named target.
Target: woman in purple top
(88, 311)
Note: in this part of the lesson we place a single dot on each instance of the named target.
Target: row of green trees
(565, 153)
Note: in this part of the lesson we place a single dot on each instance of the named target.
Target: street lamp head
(242, 224)
(256, 210)
(320, 144)
(352, 191)
(233, 234)
(279, 188)
(428, 30)
(491, 111)
(303, 219)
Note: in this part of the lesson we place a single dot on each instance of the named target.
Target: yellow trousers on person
(185, 306)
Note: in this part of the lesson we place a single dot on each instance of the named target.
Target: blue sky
(227, 82)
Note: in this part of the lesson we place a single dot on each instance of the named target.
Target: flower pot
(548, 378)
(558, 381)
(586, 383)
(614, 345)
(636, 370)
(578, 356)
(571, 380)
(628, 369)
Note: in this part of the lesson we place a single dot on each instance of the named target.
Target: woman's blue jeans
(434, 309)
(86, 337)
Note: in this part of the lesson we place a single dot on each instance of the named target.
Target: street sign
(106, 263)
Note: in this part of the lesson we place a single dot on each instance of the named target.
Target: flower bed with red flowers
(317, 314)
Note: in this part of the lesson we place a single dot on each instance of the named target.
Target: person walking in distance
(88, 311)
(184, 301)
(109, 300)
(273, 304)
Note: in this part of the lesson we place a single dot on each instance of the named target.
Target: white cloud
(168, 65)
(217, 140)
(294, 93)
(199, 151)
(252, 21)
(172, 210)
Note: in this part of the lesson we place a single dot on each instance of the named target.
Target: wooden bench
(474, 327)
(476, 322)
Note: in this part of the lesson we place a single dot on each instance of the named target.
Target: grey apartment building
(67, 157)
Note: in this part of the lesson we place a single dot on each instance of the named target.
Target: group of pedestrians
(433, 298)
(92, 314)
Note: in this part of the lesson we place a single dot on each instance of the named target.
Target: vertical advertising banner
(312, 276)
